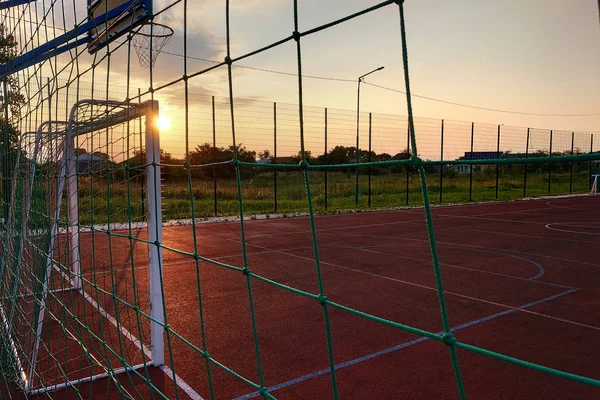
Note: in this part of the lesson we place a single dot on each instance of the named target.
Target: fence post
(497, 165)
(142, 160)
(214, 132)
(571, 174)
(525, 172)
(471, 165)
(6, 173)
(325, 157)
(275, 156)
(442, 165)
(369, 201)
(357, 144)
(407, 166)
(591, 151)
(49, 99)
(549, 163)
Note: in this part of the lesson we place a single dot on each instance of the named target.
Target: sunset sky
(537, 56)
(532, 56)
(527, 56)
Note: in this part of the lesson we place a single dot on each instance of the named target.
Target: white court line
(476, 299)
(168, 371)
(541, 270)
(549, 226)
(437, 229)
(396, 348)
(426, 241)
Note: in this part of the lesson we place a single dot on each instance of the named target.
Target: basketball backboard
(131, 13)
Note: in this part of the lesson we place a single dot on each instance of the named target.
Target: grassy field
(387, 191)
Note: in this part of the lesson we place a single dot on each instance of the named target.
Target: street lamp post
(360, 78)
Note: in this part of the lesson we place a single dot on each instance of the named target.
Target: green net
(111, 285)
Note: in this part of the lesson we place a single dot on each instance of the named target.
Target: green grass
(258, 193)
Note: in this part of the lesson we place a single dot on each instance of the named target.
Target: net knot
(246, 271)
(322, 300)
(296, 35)
(303, 164)
(228, 60)
(416, 160)
(448, 339)
(205, 355)
(262, 390)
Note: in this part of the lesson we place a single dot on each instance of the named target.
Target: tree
(298, 157)
(139, 157)
(15, 100)
(206, 153)
(265, 155)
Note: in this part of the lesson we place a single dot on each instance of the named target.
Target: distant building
(476, 155)
(483, 155)
(462, 168)
(88, 162)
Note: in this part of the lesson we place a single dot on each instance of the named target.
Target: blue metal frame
(61, 44)
(13, 3)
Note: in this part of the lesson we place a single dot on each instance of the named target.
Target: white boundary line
(294, 215)
(177, 380)
(549, 226)
(447, 292)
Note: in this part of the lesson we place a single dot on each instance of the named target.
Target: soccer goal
(80, 264)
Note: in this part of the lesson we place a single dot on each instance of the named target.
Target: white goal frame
(68, 175)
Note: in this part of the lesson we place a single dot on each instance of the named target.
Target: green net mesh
(101, 295)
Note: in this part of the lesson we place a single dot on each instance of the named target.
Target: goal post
(94, 147)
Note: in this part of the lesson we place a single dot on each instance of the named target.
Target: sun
(163, 123)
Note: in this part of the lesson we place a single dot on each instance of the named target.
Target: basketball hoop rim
(170, 31)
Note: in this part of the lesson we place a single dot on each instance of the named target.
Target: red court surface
(520, 278)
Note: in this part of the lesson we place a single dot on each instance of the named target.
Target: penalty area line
(177, 380)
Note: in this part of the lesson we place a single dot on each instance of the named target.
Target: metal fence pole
(407, 165)
(369, 200)
(275, 156)
(591, 151)
(525, 165)
(6, 182)
(142, 158)
(357, 144)
(571, 174)
(549, 164)
(49, 100)
(214, 132)
(325, 157)
(442, 165)
(471, 165)
(498, 165)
